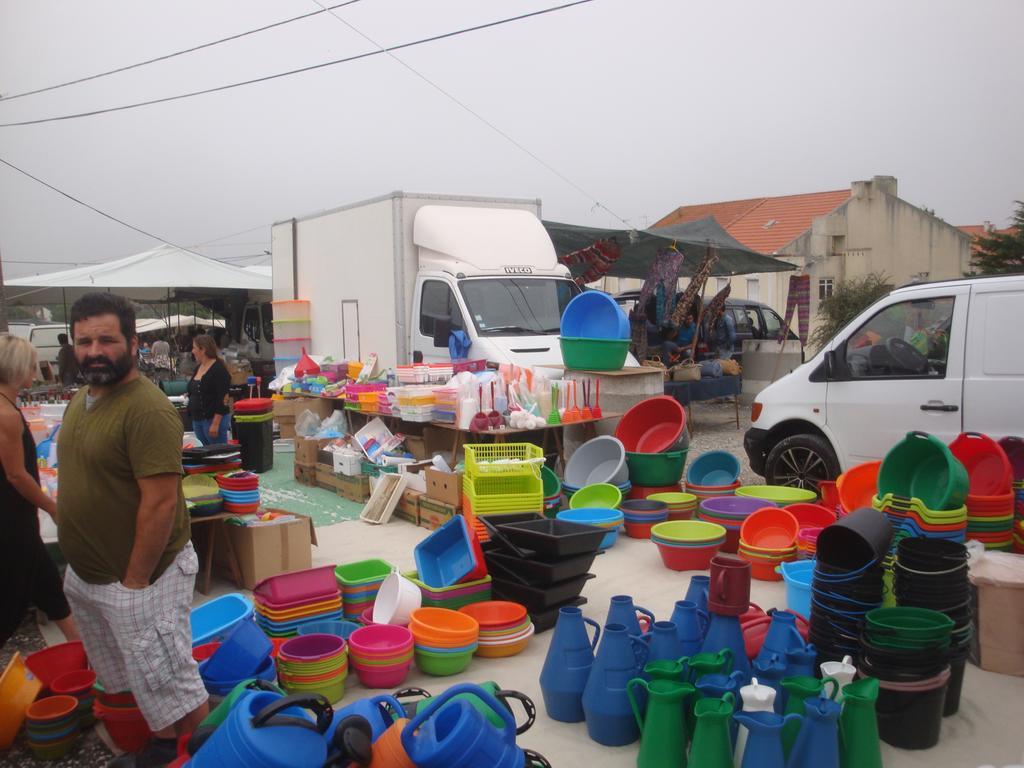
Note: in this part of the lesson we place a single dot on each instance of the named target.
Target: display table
(688, 392)
(208, 535)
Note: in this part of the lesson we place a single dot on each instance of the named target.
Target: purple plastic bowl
(311, 647)
(735, 506)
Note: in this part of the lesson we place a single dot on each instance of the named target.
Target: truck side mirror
(831, 366)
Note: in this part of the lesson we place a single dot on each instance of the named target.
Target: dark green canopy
(639, 248)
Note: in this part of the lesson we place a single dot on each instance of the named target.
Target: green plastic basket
(656, 469)
(362, 572)
(593, 354)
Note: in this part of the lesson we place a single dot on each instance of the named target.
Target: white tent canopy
(150, 324)
(152, 275)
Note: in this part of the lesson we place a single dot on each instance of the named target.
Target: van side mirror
(830, 365)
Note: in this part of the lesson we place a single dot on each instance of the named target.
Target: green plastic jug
(858, 726)
(798, 690)
(712, 741)
(662, 734)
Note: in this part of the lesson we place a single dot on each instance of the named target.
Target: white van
(43, 337)
(943, 358)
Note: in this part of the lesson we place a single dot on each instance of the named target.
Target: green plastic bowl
(656, 469)
(442, 665)
(907, 622)
(782, 495)
(598, 495)
(688, 530)
(362, 572)
(552, 485)
(593, 354)
(921, 467)
(332, 691)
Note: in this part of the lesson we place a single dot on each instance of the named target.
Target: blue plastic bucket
(798, 576)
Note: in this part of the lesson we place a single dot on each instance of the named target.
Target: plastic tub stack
(505, 628)
(681, 506)
(730, 512)
(244, 654)
(990, 498)
(80, 684)
(907, 649)
(253, 427)
(714, 474)
(543, 564)
(314, 664)
(202, 495)
(286, 602)
(848, 581)
(595, 333)
(122, 719)
(768, 539)
(444, 641)
(932, 574)
(381, 655)
(210, 459)
(1013, 447)
(608, 520)
(641, 515)
(52, 726)
(415, 403)
(688, 545)
(503, 477)
(359, 583)
(240, 492)
(453, 597)
(653, 434)
(292, 333)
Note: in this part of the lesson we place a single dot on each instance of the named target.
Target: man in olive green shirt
(123, 527)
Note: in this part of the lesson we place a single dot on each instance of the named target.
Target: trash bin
(998, 643)
(255, 435)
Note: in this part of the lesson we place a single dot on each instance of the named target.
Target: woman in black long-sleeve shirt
(208, 392)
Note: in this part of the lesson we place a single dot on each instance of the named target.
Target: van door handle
(934, 406)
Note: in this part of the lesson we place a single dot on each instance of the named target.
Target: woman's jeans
(202, 430)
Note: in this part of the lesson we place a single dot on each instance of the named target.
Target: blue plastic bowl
(341, 628)
(610, 538)
(591, 515)
(214, 619)
(714, 468)
(295, 624)
(445, 557)
(242, 652)
(595, 315)
(460, 649)
(267, 671)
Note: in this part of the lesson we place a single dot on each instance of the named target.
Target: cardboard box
(355, 488)
(434, 514)
(305, 475)
(416, 446)
(445, 487)
(306, 449)
(321, 406)
(240, 372)
(286, 426)
(415, 477)
(264, 551)
(285, 408)
(409, 507)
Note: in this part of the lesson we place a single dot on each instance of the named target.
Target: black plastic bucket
(855, 541)
(956, 685)
(911, 719)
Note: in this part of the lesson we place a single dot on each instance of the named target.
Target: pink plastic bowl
(380, 640)
(382, 677)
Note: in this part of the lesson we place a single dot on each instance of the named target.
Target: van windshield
(527, 306)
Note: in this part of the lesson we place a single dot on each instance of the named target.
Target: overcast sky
(644, 105)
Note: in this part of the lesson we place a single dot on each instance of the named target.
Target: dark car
(753, 319)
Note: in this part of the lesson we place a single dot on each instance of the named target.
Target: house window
(826, 287)
(722, 282)
(753, 289)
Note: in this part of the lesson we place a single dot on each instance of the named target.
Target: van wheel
(801, 461)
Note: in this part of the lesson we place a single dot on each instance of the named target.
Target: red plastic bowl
(858, 486)
(687, 558)
(639, 530)
(74, 683)
(204, 651)
(638, 492)
(127, 729)
(652, 425)
(770, 528)
(812, 515)
(986, 463)
(50, 663)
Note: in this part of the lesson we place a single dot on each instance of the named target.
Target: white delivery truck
(943, 358)
(396, 275)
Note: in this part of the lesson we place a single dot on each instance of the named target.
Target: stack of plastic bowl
(505, 628)
(681, 506)
(455, 597)
(314, 664)
(811, 515)
(653, 433)
(343, 628)
(599, 460)
(552, 491)
(240, 491)
(779, 495)
(570, 490)
(245, 653)
(687, 545)
(730, 512)
(990, 498)
(444, 641)
(907, 649)
(639, 516)
(768, 539)
(601, 495)
(51, 725)
(290, 600)
(381, 655)
(713, 469)
(79, 684)
(703, 492)
(1018, 536)
(595, 333)
(50, 663)
(609, 519)
(359, 583)
(807, 543)
(202, 495)
(858, 486)
(122, 719)
(1013, 447)
(931, 573)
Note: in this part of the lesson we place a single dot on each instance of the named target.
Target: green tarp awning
(640, 246)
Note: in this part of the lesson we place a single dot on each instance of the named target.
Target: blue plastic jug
(716, 685)
(380, 712)
(817, 744)
(725, 632)
(691, 624)
(454, 734)
(697, 592)
(764, 744)
(609, 715)
(802, 661)
(271, 731)
(663, 642)
(622, 611)
(567, 666)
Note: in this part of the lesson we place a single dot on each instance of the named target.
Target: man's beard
(102, 371)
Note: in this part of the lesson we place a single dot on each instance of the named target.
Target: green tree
(848, 300)
(1001, 253)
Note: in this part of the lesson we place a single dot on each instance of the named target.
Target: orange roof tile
(764, 224)
(977, 230)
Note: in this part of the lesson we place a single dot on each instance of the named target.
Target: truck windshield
(517, 306)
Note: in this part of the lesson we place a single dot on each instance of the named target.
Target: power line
(477, 115)
(167, 56)
(301, 70)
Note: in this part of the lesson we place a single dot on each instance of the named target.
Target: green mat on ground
(279, 489)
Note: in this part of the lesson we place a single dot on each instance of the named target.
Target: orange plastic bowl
(812, 515)
(858, 485)
(763, 571)
(770, 528)
(444, 623)
(495, 613)
(51, 708)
